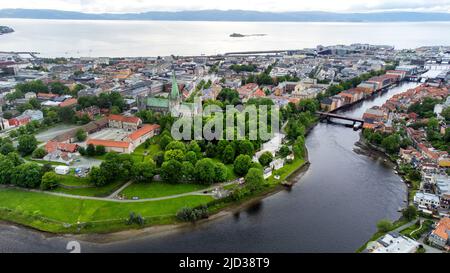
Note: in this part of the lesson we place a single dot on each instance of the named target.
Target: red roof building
(53, 146)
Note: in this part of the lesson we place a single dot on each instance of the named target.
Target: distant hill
(231, 15)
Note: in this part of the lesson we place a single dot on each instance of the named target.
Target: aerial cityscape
(279, 142)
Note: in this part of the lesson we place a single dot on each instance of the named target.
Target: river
(334, 207)
(74, 38)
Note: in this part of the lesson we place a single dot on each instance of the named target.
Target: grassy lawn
(72, 180)
(28, 158)
(29, 208)
(158, 189)
(286, 171)
(93, 191)
(426, 226)
(141, 153)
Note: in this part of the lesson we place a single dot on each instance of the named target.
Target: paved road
(54, 131)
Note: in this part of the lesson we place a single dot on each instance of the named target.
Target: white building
(267, 172)
(62, 170)
(426, 200)
(277, 164)
(393, 242)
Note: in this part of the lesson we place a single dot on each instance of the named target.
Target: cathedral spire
(175, 93)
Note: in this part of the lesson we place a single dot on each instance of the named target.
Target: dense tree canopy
(27, 175)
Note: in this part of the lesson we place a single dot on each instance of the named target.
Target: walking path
(114, 194)
(112, 197)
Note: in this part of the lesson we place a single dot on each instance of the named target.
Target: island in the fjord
(239, 35)
(5, 30)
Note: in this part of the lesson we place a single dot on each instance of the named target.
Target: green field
(73, 181)
(30, 208)
(158, 189)
(140, 153)
(426, 226)
(92, 191)
(286, 171)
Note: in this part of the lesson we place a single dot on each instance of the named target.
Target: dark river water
(334, 207)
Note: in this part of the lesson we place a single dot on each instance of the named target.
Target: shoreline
(367, 149)
(164, 229)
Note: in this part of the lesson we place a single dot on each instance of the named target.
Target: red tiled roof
(442, 228)
(259, 93)
(46, 95)
(68, 102)
(52, 146)
(108, 143)
(147, 128)
(124, 119)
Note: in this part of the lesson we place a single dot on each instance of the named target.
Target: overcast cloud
(121, 6)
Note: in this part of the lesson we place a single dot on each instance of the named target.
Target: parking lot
(109, 134)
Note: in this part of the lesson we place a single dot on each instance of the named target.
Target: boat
(237, 35)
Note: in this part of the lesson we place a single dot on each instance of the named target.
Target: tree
(446, 114)
(228, 155)
(410, 213)
(191, 157)
(158, 158)
(254, 180)
(27, 175)
(391, 144)
(82, 151)
(221, 172)
(100, 150)
(194, 147)
(284, 151)
(7, 148)
(384, 226)
(176, 145)
(299, 147)
(117, 167)
(90, 150)
(49, 181)
(246, 147)
(66, 114)
(80, 135)
(143, 171)
(210, 150)
(242, 164)
(170, 171)
(6, 168)
(188, 171)
(228, 96)
(15, 158)
(177, 155)
(39, 153)
(59, 88)
(265, 158)
(164, 141)
(32, 86)
(27, 144)
(97, 177)
(205, 171)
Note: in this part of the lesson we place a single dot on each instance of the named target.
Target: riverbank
(101, 216)
(375, 152)
(118, 231)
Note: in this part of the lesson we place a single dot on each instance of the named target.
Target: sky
(122, 6)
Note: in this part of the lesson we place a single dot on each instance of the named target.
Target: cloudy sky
(120, 6)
